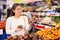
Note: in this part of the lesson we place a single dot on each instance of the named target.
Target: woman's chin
(19, 14)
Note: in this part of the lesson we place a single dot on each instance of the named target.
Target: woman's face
(18, 10)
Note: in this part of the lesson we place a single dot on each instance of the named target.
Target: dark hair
(13, 8)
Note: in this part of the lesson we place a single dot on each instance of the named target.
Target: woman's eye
(18, 9)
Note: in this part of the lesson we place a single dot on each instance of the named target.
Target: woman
(17, 24)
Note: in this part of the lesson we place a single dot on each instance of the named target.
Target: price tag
(1, 31)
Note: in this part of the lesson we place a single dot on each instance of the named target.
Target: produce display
(58, 25)
(50, 33)
(56, 18)
(44, 18)
(50, 22)
(2, 25)
(20, 37)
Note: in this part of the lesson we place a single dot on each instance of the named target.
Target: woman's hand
(19, 28)
(31, 22)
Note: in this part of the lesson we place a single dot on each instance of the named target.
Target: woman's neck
(17, 16)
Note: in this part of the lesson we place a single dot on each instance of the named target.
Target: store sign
(25, 1)
(9, 2)
(18, 0)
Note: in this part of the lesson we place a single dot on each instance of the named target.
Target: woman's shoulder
(9, 18)
(24, 16)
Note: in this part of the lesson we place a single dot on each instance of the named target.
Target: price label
(1, 31)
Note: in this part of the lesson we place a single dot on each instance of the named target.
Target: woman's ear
(13, 10)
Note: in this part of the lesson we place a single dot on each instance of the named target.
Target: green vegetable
(56, 18)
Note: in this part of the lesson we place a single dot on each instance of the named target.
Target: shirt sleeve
(27, 25)
(9, 30)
